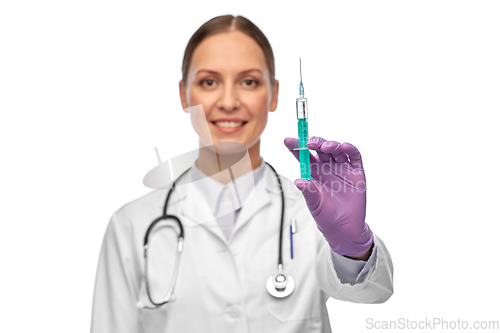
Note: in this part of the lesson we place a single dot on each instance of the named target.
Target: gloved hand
(336, 194)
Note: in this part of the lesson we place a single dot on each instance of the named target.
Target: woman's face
(229, 77)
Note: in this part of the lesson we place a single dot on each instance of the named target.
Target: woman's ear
(182, 93)
(274, 99)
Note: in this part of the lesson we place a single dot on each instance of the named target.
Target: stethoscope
(280, 283)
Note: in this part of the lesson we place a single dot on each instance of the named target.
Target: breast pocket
(153, 320)
(304, 303)
(293, 308)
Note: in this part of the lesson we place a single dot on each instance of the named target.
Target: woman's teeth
(228, 123)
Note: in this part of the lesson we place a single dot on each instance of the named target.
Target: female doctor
(233, 227)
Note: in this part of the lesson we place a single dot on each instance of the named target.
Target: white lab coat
(221, 284)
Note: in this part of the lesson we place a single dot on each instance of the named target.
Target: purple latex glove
(336, 194)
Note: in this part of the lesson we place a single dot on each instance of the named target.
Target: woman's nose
(229, 99)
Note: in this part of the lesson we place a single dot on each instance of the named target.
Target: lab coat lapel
(201, 214)
(194, 206)
(255, 202)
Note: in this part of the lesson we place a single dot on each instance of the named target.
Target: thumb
(311, 192)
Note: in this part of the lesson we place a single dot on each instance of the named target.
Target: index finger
(354, 155)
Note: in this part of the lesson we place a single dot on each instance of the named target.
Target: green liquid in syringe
(305, 171)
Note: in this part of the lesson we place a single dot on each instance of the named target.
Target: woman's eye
(208, 83)
(250, 82)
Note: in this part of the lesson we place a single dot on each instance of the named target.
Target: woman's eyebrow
(251, 70)
(206, 70)
(241, 73)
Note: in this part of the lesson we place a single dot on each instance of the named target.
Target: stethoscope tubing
(280, 258)
(164, 216)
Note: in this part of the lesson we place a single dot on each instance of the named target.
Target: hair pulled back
(228, 23)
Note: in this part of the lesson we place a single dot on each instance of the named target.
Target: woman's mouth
(226, 126)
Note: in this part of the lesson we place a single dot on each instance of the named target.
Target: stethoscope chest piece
(280, 284)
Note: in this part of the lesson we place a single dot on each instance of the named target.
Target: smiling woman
(241, 270)
(229, 69)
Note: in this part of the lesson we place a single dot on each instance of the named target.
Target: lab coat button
(234, 312)
(227, 203)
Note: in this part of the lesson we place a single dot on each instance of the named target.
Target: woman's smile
(228, 125)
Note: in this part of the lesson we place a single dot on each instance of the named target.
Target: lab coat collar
(190, 204)
(211, 189)
(198, 213)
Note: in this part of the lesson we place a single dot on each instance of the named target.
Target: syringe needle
(300, 65)
(301, 86)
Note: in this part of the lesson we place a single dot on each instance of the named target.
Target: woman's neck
(213, 161)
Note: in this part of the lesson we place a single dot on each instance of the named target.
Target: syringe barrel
(303, 131)
(301, 108)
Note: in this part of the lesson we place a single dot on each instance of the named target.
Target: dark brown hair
(227, 23)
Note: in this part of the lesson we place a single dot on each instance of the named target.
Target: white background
(88, 88)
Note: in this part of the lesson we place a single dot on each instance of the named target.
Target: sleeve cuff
(354, 271)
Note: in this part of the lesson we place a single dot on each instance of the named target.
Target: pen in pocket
(293, 229)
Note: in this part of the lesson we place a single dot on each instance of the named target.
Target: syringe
(305, 167)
